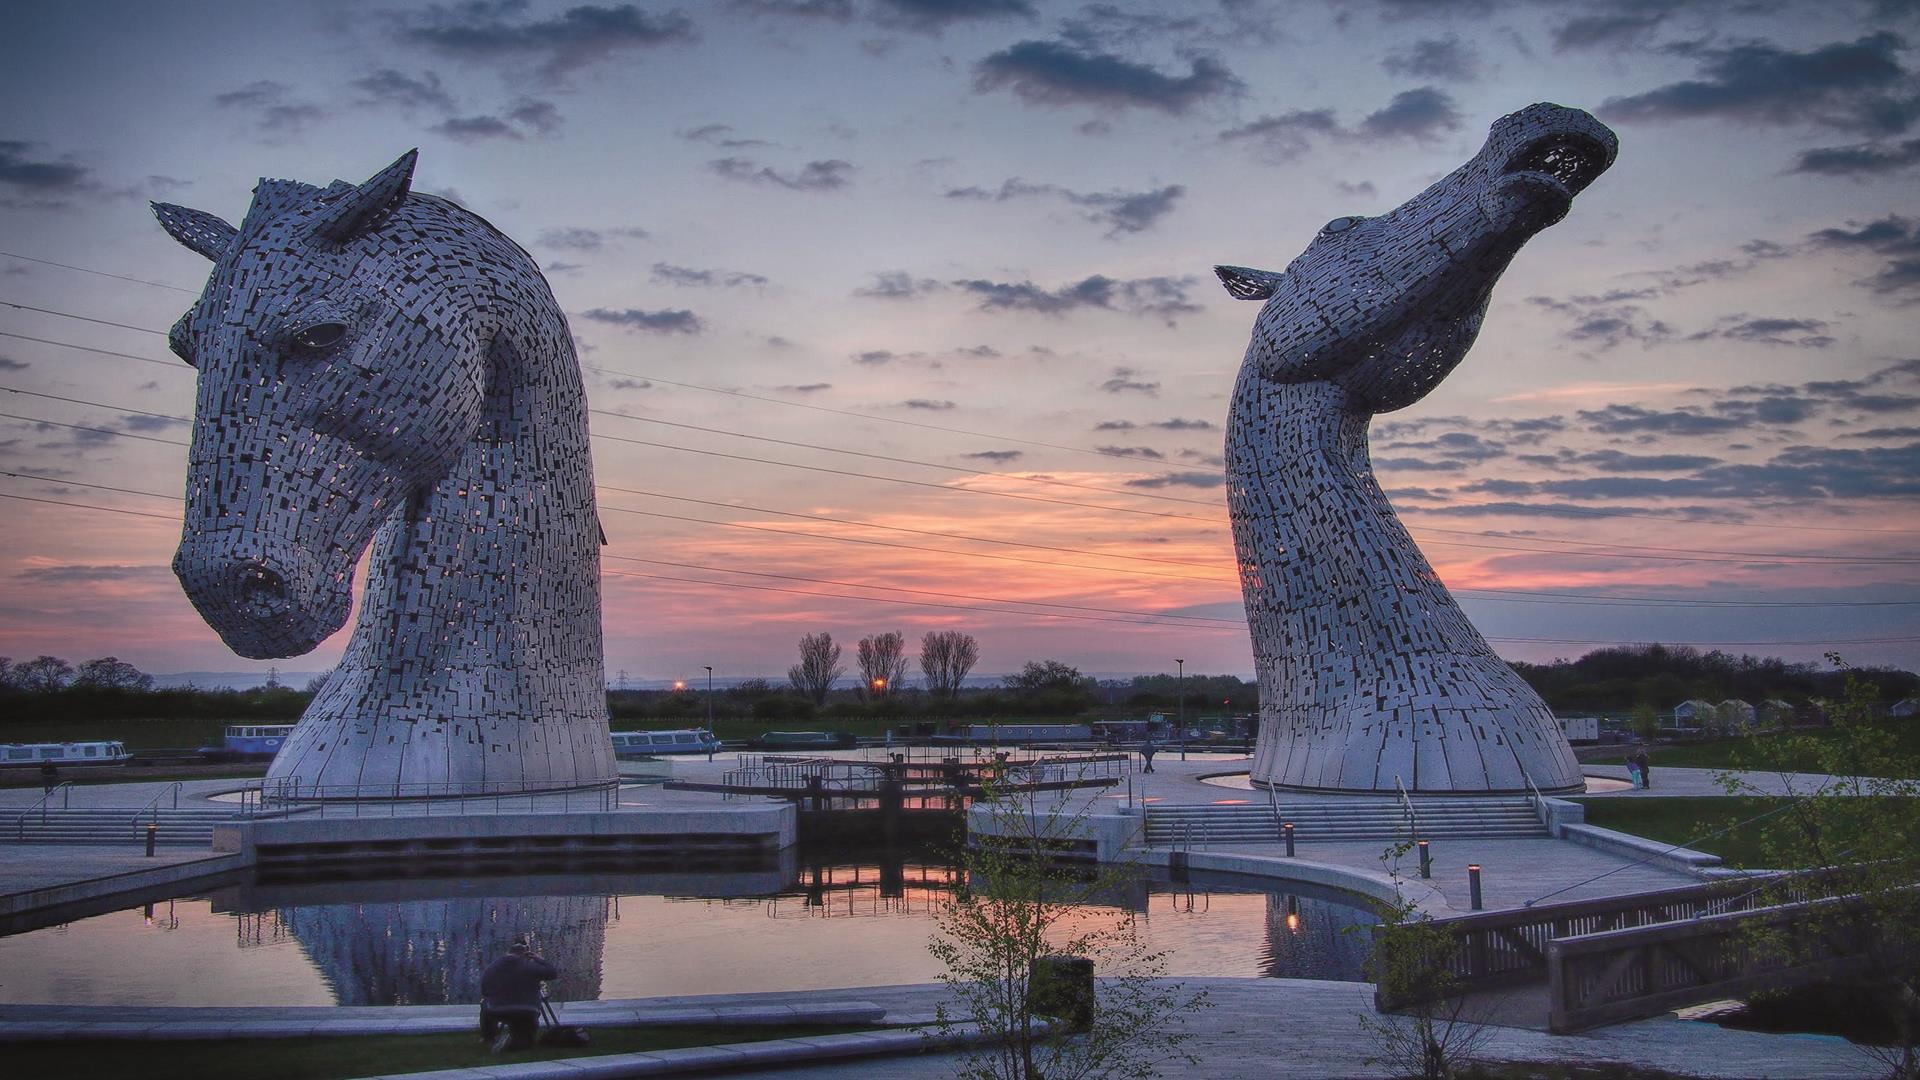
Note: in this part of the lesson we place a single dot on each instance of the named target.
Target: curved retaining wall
(677, 834)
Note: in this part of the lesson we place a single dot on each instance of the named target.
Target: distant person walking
(510, 997)
(1645, 762)
(1147, 750)
(49, 776)
(1633, 769)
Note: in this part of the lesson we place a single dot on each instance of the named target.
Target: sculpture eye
(1341, 224)
(320, 335)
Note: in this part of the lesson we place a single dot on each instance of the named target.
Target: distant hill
(231, 680)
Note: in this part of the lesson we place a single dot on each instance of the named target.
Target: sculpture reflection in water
(432, 951)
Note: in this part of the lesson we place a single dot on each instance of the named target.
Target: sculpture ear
(1245, 284)
(196, 229)
(365, 206)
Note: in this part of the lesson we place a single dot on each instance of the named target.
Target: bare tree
(819, 665)
(112, 673)
(883, 663)
(945, 658)
(43, 674)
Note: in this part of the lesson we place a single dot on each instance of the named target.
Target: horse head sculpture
(1371, 677)
(379, 363)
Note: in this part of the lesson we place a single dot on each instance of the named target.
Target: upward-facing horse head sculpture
(379, 366)
(1371, 677)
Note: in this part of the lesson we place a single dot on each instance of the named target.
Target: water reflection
(431, 952)
(1311, 937)
(818, 922)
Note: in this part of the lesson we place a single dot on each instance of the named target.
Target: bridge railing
(1500, 948)
(1616, 975)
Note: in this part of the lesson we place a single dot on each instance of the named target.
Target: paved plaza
(1259, 1027)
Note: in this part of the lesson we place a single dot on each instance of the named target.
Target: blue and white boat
(103, 752)
(248, 742)
(639, 744)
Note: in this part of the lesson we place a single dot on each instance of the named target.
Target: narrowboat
(248, 742)
(104, 752)
(638, 744)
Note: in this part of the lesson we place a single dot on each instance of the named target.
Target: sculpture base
(293, 790)
(1570, 789)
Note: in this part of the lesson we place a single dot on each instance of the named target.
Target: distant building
(1580, 728)
(1734, 714)
(1905, 708)
(1692, 713)
(1777, 713)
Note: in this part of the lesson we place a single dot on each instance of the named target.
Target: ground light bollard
(1473, 885)
(1426, 860)
(153, 830)
(1286, 830)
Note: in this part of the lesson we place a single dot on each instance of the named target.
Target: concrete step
(1357, 819)
(114, 825)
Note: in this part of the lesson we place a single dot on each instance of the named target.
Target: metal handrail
(64, 787)
(1273, 803)
(1413, 819)
(357, 801)
(1539, 801)
(153, 804)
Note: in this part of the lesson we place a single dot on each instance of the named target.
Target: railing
(1273, 803)
(1499, 948)
(426, 799)
(1406, 804)
(64, 789)
(1615, 975)
(1539, 802)
(152, 809)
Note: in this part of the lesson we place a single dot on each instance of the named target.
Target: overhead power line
(1523, 595)
(922, 592)
(902, 528)
(673, 382)
(913, 461)
(908, 547)
(1621, 551)
(891, 479)
(82, 318)
(923, 425)
(103, 352)
(965, 469)
(98, 273)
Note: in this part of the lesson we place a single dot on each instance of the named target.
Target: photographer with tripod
(511, 997)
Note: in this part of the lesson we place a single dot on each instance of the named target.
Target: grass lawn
(348, 1056)
(1687, 821)
(137, 734)
(1722, 753)
(134, 774)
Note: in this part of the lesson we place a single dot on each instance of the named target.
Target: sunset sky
(911, 300)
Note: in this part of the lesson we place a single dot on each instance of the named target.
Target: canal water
(808, 922)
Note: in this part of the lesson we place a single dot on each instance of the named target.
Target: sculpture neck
(515, 522)
(1310, 520)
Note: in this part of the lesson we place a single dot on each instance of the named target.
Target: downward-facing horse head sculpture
(382, 366)
(1370, 674)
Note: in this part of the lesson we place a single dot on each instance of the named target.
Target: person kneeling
(510, 997)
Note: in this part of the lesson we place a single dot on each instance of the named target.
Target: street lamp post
(709, 668)
(1181, 679)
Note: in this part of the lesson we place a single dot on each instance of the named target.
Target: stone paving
(1258, 1028)
(1261, 1029)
